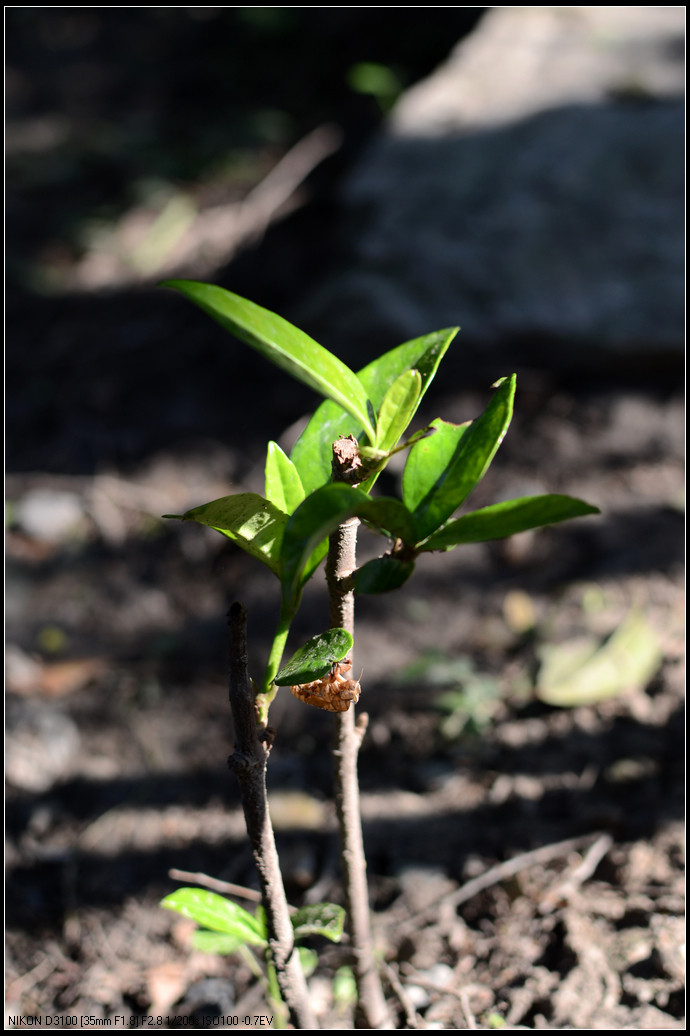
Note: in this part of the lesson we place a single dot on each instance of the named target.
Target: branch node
(347, 464)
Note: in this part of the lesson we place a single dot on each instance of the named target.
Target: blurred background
(372, 174)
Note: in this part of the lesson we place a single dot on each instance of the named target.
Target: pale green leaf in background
(584, 672)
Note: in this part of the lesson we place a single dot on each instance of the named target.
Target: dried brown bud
(347, 463)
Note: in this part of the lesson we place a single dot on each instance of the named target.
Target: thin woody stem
(372, 1012)
(248, 761)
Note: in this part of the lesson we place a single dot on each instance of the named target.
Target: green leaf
(309, 959)
(382, 574)
(584, 672)
(314, 659)
(320, 515)
(312, 452)
(283, 344)
(217, 913)
(314, 520)
(344, 986)
(247, 519)
(445, 467)
(428, 458)
(422, 354)
(388, 516)
(283, 484)
(326, 919)
(397, 409)
(219, 943)
(505, 519)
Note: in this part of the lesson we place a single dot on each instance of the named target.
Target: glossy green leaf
(422, 354)
(313, 521)
(283, 484)
(320, 515)
(397, 409)
(248, 520)
(382, 574)
(584, 672)
(443, 469)
(325, 919)
(315, 658)
(217, 913)
(505, 519)
(312, 452)
(283, 344)
(428, 459)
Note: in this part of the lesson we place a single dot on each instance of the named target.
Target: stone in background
(531, 190)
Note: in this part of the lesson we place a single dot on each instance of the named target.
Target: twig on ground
(564, 889)
(411, 1017)
(466, 1010)
(461, 994)
(248, 761)
(279, 185)
(500, 872)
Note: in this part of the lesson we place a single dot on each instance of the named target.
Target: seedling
(228, 928)
(314, 501)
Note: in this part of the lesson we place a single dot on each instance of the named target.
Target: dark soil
(127, 404)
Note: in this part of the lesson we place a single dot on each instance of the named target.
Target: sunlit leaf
(283, 344)
(313, 521)
(219, 943)
(397, 409)
(315, 658)
(505, 519)
(312, 452)
(444, 468)
(283, 484)
(217, 913)
(248, 520)
(427, 461)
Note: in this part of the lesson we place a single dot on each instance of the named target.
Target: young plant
(314, 501)
(227, 928)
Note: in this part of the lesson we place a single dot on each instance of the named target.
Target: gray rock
(532, 188)
(41, 745)
(50, 515)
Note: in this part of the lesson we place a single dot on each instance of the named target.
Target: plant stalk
(248, 762)
(371, 1011)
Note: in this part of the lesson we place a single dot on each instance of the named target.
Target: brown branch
(248, 762)
(372, 1012)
